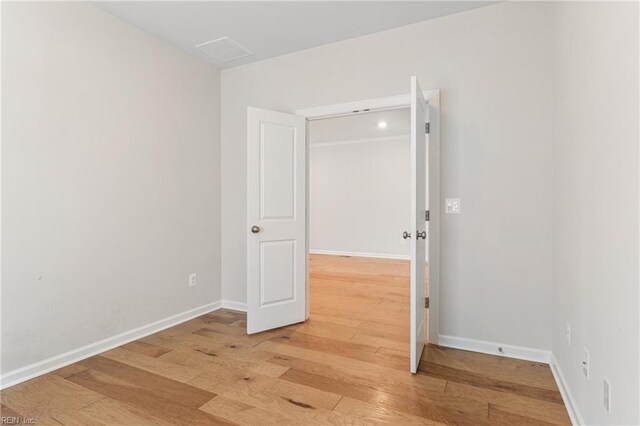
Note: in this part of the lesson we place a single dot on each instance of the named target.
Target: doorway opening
(359, 174)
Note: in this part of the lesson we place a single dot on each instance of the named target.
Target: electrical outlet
(606, 396)
(452, 206)
(585, 362)
(568, 333)
(192, 279)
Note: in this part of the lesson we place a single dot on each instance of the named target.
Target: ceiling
(270, 28)
(360, 126)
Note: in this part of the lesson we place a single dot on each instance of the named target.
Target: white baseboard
(360, 254)
(45, 366)
(510, 351)
(234, 306)
(565, 391)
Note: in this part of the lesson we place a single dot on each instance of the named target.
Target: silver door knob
(406, 235)
(422, 235)
(255, 229)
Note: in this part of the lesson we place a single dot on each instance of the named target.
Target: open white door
(418, 222)
(276, 218)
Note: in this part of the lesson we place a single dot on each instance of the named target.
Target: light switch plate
(452, 206)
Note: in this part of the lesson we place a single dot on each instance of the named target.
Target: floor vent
(224, 49)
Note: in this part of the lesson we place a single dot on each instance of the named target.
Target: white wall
(110, 179)
(492, 65)
(359, 196)
(596, 205)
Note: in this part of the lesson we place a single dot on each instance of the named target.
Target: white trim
(360, 254)
(389, 102)
(234, 306)
(363, 140)
(565, 391)
(50, 364)
(483, 346)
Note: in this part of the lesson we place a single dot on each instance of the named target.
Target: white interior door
(276, 219)
(419, 194)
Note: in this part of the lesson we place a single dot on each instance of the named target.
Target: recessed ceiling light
(382, 124)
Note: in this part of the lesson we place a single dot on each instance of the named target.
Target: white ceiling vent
(224, 49)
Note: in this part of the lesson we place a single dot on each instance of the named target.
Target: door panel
(278, 169)
(419, 194)
(277, 272)
(276, 215)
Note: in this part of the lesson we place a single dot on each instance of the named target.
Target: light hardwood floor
(347, 365)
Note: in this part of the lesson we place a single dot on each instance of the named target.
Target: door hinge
(427, 128)
(426, 216)
(426, 303)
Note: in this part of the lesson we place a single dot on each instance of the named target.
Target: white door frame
(399, 101)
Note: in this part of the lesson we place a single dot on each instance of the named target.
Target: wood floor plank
(178, 409)
(299, 409)
(224, 316)
(370, 339)
(202, 358)
(8, 412)
(243, 414)
(239, 334)
(235, 340)
(47, 397)
(171, 337)
(69, 370)
(127, 376)
(393, 356)
(461, 376)
(356, 312)
(546, 411)
(320, 329)
(157, 366)
(351, 350)
(356, 371)
(295, 394)
(375, 413)
(335, 319)
(68, 418)
(110, 412)
(326, 345)
(147, 349)
(213, 346)
(431, 405)
(498, 416)
(389, 329)
(220, 373)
